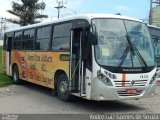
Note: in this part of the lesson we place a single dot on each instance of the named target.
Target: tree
(27, 12)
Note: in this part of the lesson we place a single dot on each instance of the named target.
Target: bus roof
(152, 26)
(80, 16)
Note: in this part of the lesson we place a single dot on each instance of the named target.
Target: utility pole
(60, 6)
(150, 12)
(151, 6)
(41, 12)
(3, 26)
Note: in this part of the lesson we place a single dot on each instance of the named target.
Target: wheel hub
(63, 87)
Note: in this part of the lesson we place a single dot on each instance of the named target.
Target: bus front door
(8, 54)
(77, 84)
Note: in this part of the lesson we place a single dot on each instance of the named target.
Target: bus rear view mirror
(93, 39)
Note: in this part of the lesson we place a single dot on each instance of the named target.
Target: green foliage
(1, 57)
(27, 12)
(4, 79)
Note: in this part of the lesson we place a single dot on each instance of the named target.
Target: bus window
(43, 38)
(158, 52)
(61, 37)
(17, 41)
(155, 34)
(28, 39)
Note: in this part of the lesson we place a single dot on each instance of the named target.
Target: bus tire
(16, 79)
(63, 88)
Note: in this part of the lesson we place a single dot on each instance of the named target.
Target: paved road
(33, 99)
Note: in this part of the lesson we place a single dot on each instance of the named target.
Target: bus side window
(17, 40)
(28, 39)
(61, 37)
(43, 36)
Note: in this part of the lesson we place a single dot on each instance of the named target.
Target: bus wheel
(16, 75)
(63, 88)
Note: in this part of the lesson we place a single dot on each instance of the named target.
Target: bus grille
(123, 93)
(137, 83)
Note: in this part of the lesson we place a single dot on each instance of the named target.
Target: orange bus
(94, 56)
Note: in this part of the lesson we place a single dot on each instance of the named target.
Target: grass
(4, 79)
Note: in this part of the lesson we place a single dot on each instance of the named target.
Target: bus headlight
(104, 79)
(153, 79)
(107, 81)
(100, 75)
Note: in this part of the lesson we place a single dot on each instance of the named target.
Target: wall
(156, 16)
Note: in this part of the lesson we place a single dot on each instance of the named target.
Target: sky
(132, 8)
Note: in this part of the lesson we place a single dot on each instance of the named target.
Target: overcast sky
(132, 8)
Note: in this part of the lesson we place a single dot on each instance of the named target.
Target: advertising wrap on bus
(37, 67)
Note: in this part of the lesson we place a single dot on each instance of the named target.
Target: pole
(60, 6)
(41, 12)
(3, 26)
(150, 14)
(58, 9)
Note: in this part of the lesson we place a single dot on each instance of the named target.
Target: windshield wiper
(133, 50)
(124, 56)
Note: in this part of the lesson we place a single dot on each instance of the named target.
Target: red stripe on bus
(123, 79)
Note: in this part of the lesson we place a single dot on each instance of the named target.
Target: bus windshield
(123, 43)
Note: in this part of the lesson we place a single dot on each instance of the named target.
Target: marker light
(112, 76)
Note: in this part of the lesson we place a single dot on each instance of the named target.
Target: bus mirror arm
(93, 35)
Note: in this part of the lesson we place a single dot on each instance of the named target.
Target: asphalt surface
(33, 99)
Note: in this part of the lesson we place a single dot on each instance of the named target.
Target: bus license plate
(131, 91)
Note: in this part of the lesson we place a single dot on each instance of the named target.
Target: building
(156, 16)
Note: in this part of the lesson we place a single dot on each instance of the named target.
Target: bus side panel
(40, 67)
(16, 60)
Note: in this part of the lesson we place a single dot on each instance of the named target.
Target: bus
(155, 34)
(93, 56)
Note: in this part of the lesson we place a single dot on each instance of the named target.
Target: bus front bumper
(101, 91)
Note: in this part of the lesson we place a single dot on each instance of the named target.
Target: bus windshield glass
(123, 43)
